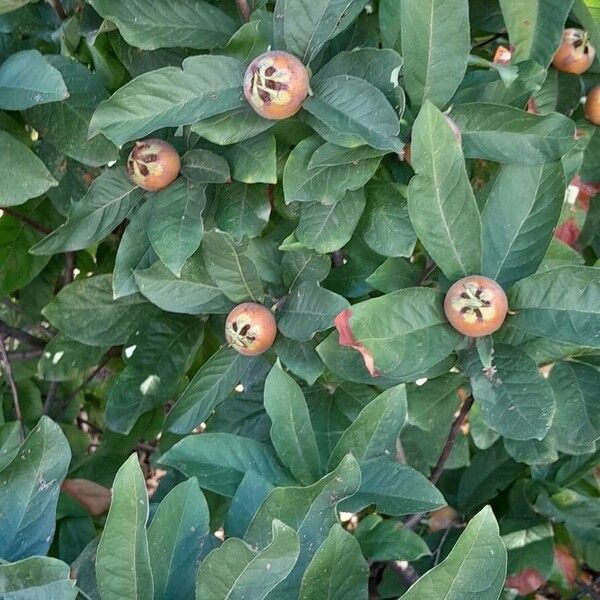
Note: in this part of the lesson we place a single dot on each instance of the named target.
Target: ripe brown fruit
(276, 84)
(476, 306)
(442, 519)
(575, 53)
(153, 164)
(250, 328)
(592, 106)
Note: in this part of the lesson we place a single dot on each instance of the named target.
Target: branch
(20, 217)
(68, 274)
(7, 330)
(244, 9)
(13, 386)
(58, 9)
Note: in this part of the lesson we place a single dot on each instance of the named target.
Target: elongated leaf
(242, 210)
(203, 166)
(254, 160)
(37, 578)
(237, 571)
(220, 460)
(441, 202)
(562, 305)
(122, 561)
(210, 386)
(185, 23)
(292, 433)
(535, 28)
(493, 131)
(300, 358)
(435, 48)
(528, 200)
(205, 86)
(463, 574)
(108, 201)
(337, 571)
(24, 176)
(175, 227)
(27, 79)
(29, 487)
(178, 539)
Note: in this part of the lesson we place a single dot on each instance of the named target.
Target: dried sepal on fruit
(476, 306)
(250, 328)
(276, 84)
(153, 164)
(575, 53)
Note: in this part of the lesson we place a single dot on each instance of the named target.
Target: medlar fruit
(442, 519)
(575, 53)
(276, 85)
(250, 328)
(592, 105)
(153, 164)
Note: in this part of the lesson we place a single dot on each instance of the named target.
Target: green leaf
(300, 358)
(394, 489)
(156, 360)
(531, 548)
(375, 430)
(356, 110)
(337, 571)
(183, 23)
(242, 210)
(234, 273)
(65, 124)
(175, 226)
(109, 200)
(122, 561)
(302, 266)
(394, 274)
(203, 166)
(205, 86)
(562, 305)
(462, 574)
(254, 160)
(308, 26)
(38, 577)
(220, 460)
(27, 78)
(516, 400)
(386, 330)
(235, 570)
(86, 312)
(29, 487)
(577, 420)
(441, 202)
(210, 386)
(533, 452)
(178, 539)
(535, 28)
(323, 172)
(309, 308)
(327, 228)
(528, 201)
(24, 176)
(493, 131)
(435, 47)
(10, 5)
(292, 433)
(311, 511)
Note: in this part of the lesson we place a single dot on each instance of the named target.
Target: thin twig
(25, 355)
(26, 220)
(430, 267)
(50, 397)
(244, 9)
(69, 274)
(7, 330)
(13, 386)
(58, 9)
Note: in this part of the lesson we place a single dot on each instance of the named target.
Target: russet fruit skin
(442, 519)
(575, 54)
(592, 106)
(250, 328)
(476, 306)
(276, 84)
(153, 164)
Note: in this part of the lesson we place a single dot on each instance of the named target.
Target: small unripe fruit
(276, 84)
(442, 519)
(592, 106)
(250, 328)
(476, 306)
(575, 54)
(153, 164)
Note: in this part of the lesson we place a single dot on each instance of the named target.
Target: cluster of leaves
(305, 459)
